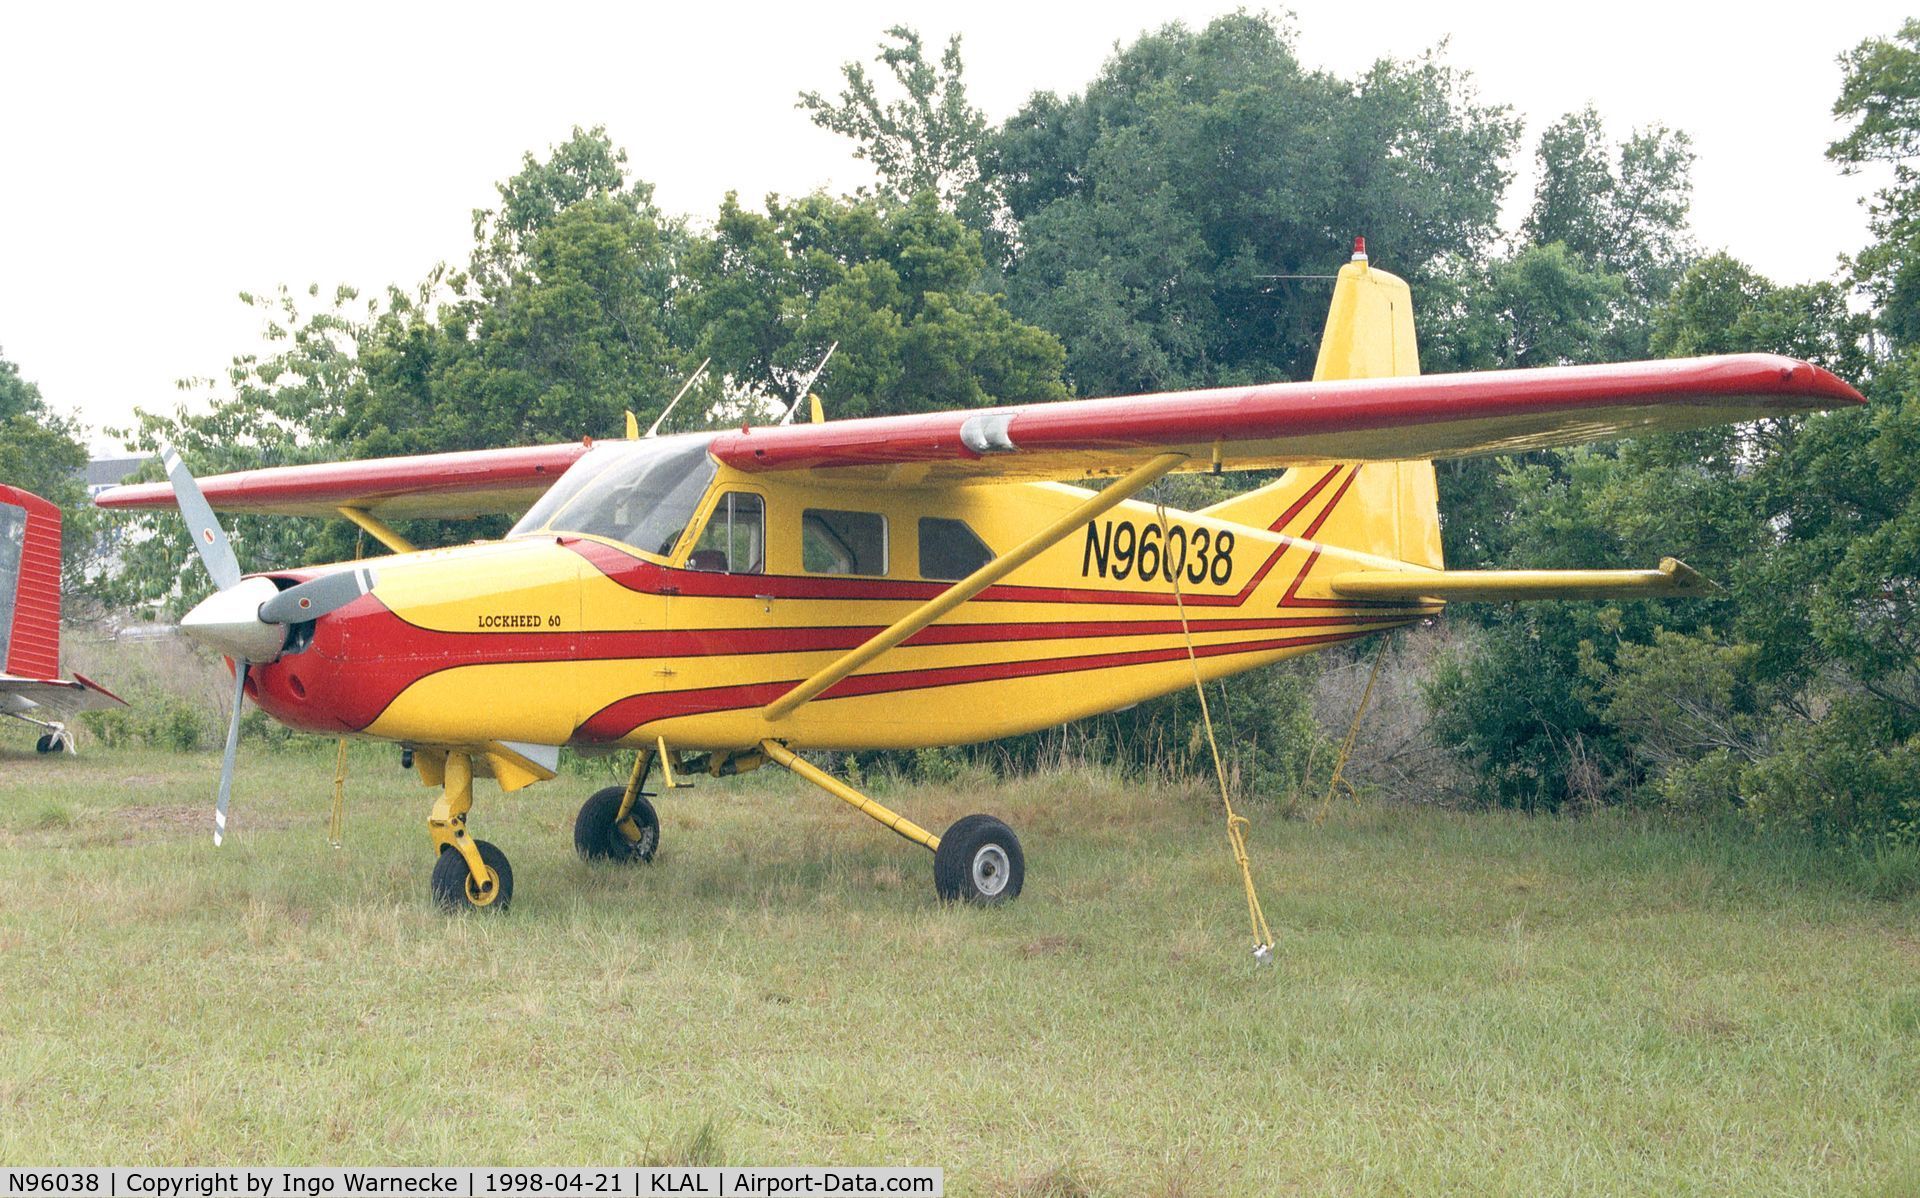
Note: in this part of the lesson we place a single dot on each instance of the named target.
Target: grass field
(1462, 1004)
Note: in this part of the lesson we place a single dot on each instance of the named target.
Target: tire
(597, 839)
(48, 743)
(450, 880)
(979, 861)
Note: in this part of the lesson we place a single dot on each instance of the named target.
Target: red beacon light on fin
(1359, 249)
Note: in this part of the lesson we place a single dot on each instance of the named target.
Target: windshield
(640, 493)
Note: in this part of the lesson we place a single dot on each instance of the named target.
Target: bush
(259, 727)
(1521, 708)
(1704, 791)
(1842, 779)
(159, 722)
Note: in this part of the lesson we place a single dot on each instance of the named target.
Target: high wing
(448, 486)
(1291, 424)
(53, 697)
(1233, 428)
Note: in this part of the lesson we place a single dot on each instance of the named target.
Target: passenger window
(734, 540)
(843, 542)
(949, 550)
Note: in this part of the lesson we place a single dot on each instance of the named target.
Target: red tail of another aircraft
(29, 585)
(31, 689)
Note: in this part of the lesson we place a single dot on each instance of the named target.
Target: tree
(1624, 213)
(273, 409)
(556, 344)
(1154, 211)
(898, 287)
(1793, 695)
(559, 325)
(41, 451)
(587, 166)
(930, 140)
(1880, 95)
(1601, 250)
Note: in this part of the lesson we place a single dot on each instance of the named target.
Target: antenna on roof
(684, 387)
(807, 387)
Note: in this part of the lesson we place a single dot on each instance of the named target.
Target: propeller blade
(208, 537)
(226, 763)
(311, 600)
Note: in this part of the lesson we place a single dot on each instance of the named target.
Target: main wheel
(979, 861)
(49, 743)
(597, 838)
(458, 890)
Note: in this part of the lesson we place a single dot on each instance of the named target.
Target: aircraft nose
(228, 621)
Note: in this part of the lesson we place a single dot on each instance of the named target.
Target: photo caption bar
(725, 1182)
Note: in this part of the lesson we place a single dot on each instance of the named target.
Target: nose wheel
(470, 875)
(457, 888)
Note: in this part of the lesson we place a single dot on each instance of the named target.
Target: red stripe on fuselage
(610, 645)
(618, 719)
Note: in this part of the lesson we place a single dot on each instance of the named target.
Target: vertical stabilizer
(1369, 333)
(1391, 509)
(29, 585)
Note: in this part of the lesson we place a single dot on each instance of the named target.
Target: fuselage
(565, 634)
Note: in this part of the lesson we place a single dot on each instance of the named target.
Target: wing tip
(1828, 385)
(133, 495)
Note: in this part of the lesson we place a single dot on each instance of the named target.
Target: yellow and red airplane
(722, 600)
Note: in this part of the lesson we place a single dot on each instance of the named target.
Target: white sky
(156, 160)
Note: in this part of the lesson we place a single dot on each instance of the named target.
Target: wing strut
(380, 529)
(1122, 489)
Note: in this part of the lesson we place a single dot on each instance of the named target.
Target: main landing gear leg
(54, 738)
(470, 874)
(618, 824)
(977, 861)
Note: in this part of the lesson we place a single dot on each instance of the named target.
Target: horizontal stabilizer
(1673, 579)
(55, 697)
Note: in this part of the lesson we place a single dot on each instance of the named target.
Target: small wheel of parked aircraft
(456, 889)
(979, 861)
(48, 743)
(597, 838)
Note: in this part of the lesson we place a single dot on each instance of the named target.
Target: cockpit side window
(735, 538)
(638, 493)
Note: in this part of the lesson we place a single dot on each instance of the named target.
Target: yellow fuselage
(571, 639)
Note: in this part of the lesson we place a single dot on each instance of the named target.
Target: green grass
(1462, 1004)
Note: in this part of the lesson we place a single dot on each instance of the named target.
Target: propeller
(247, 619)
